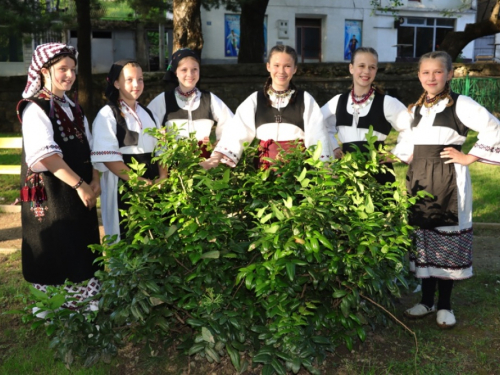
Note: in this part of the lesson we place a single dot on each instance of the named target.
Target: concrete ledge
(8, 251)
(10, 208)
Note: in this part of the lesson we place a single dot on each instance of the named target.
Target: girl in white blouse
(432, 147)
(119, 131)
(192, 110)
(277, 116)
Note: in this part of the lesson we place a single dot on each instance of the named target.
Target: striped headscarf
(42, 55)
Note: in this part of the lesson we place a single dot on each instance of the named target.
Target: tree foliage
(276, 265)
(28, 17)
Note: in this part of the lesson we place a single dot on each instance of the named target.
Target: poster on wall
(232, 35)
(352, 37)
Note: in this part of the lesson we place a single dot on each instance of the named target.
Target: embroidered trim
(487, 148)
(445, 250)
(38, 155)
(231, 153)
(105, 153)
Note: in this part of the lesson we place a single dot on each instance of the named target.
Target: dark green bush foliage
(273, 264)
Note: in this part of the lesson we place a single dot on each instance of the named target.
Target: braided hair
(448, 65)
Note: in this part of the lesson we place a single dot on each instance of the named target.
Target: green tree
(146, 11)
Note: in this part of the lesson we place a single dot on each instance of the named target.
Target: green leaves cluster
(266, 267)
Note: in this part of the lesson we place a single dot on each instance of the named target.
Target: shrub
(273, 264)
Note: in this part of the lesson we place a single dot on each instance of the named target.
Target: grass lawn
(9, 184)
(469, 348)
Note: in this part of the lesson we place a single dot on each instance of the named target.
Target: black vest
(174, 112)
(375, 116)
(293, 113)
(124, 135)
(448, 118)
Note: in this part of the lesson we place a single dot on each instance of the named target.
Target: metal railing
(484, 90)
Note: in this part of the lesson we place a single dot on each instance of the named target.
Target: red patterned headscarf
(42, 55)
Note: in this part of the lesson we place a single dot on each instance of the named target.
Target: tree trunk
(455, 41)
(187, 25)
(141, 47)
(84, 30)
(252, 43)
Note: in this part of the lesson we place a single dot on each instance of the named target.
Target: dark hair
(448, 64)
(281, 48)
(176, 58)
(111, 92)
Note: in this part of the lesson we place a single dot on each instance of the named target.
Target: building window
(308, 39)
(417, 36)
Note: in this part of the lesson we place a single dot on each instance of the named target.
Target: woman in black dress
(59, 186)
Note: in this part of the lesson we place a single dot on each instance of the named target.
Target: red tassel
(33, 194)
(40, 194)
(25, 194)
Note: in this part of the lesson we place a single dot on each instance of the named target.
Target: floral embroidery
(47, 148)
(487, 148)
(105, 153)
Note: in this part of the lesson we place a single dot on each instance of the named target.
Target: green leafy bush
(271, 266)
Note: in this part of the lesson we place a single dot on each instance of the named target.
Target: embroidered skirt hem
(442, 254)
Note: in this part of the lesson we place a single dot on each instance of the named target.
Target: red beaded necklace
(363, 98)
(185, 94)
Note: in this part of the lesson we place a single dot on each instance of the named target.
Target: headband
(111, 91)
(177, 56)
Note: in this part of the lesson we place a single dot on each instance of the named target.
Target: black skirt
(58, 230)
(428, 172)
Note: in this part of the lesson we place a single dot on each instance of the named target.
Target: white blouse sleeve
(396, 113)
(222, 114)
(38, 137)
(405, 144)
(329, 110)
(476, 117)
(105, 146)
(314, 127)
(157, 106)
(88, 133)
(239, 130)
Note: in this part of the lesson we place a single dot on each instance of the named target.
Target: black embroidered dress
(57, 227)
